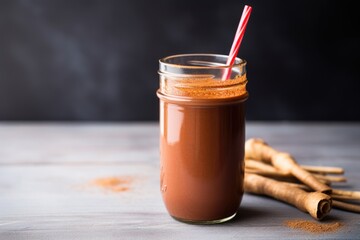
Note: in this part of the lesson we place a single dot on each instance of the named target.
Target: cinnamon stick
(354, 195)
(330, 178)
(249, 163)
(258, 149)
(278, 175)
(323, 169)
(317, 204)
(346, 206)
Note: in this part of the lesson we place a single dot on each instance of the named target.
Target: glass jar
(202, 136)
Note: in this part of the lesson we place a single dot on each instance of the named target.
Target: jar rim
(214, 65)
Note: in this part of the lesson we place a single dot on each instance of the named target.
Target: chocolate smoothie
(202, 134)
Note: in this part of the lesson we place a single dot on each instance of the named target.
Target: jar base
(205, 222)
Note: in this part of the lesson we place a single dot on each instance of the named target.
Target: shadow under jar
(202, 136)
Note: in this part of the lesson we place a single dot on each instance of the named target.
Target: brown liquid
(202, 152)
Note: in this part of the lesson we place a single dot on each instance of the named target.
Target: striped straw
(237, 41)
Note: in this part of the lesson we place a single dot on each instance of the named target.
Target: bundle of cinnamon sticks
(278, 175)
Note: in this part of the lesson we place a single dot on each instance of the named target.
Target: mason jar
(202, 135)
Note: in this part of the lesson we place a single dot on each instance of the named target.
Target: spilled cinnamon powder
(313, 227)
(114, 184)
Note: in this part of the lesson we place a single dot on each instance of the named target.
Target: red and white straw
(237, 41)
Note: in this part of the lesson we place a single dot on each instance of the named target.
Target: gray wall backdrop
(97, 60)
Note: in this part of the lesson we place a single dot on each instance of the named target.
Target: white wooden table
(46, 170)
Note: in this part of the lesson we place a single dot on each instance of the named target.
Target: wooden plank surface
(47, 172)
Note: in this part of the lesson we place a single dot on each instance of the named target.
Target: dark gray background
(98, 60)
